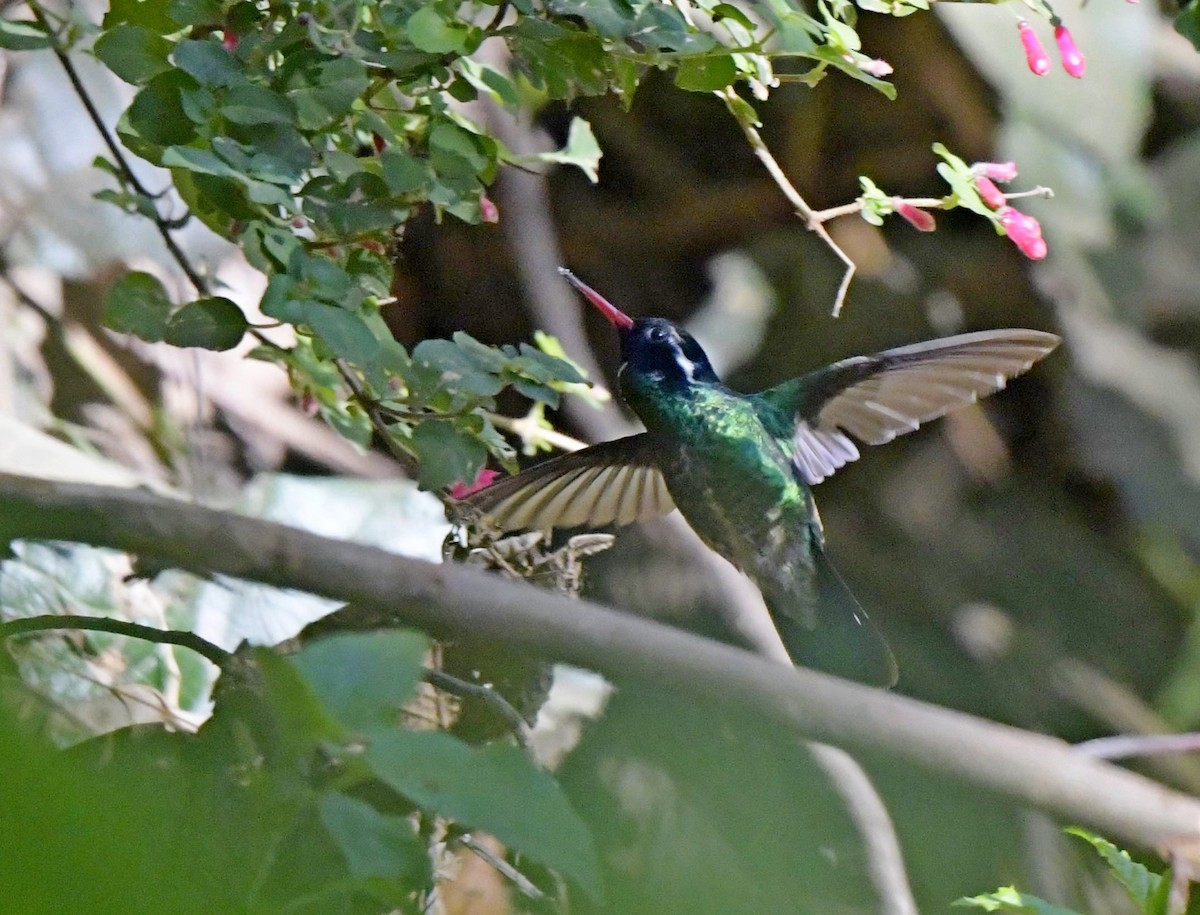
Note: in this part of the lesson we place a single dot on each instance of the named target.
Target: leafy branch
(388, 590)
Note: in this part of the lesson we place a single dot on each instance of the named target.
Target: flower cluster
(1024, 230)
(1035, 55)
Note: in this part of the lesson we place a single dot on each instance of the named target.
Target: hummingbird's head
(653, 348)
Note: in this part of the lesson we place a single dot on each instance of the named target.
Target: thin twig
(803, 210)
(885, 862)
(519, 880)
(122, 163)
(51, 621)
(372, 409)
(529, 430)
(486, 693)
(1124, 746)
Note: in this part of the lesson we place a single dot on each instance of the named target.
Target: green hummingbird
(741, 467)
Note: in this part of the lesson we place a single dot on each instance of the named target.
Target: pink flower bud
(1025, 232)
(1072, 61)
(461, 490)
(920, 220)
(230, 41)
(997, 171)
(878, 68)
(991, 194)
(1035, 54)
(489, 210)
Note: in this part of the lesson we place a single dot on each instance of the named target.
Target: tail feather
(841, 639)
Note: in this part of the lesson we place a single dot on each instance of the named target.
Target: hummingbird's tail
(839, 638)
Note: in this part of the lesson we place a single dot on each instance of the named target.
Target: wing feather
(876, 398)
(616, 482)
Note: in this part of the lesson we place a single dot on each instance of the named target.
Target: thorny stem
(46, 622)
(162, 224)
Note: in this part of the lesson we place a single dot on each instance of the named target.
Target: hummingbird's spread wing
(615, 482)
(875, 398)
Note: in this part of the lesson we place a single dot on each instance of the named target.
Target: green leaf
(1187, 23)
(208, 63)
(728, 11)
(362, 679)
(253, 105)
(302, 721)
(199, 160)
(156, 114)
(138, 304)
(149, 14)
(194, 12)
(494, 788)
(343, 332)
(338, 85)
(446, 455)
(403, 173)
(706, 74)
(135, 54)
(581, 150)
(17, 35)
(374, 844)
(1008, 899)
(1142, 884)
(214, 323)
(490, 82)
(429, 31)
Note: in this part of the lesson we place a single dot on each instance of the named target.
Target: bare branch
(390, 590)
(885, 863)
(803, 210)
(26, 624)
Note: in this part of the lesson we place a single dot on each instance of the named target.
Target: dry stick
(122, 163)
(448, 600)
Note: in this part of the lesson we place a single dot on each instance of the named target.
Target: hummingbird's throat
(616, 317)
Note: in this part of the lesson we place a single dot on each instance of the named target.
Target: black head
(658, 350)
(652, 348)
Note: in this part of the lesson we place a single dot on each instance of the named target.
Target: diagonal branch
(163, 226)
(392, 590)
(811, 217)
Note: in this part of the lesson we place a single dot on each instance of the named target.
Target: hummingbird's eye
(658, 334)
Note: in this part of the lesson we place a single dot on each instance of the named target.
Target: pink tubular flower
(1025, 232)
(230, 41)
(1073, 62)
(461, 490)
(919, 219)
(991, 194)
(1035, 54)
(488, 210)
(997, 171)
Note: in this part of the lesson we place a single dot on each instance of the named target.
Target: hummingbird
(741, 467)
